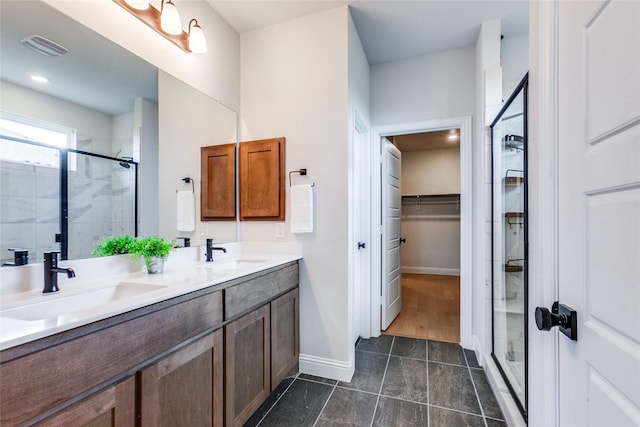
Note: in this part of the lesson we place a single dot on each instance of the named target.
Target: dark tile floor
(398, 382)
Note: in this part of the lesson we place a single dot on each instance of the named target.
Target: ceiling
(391, 30)
(95, 72)
(428, 140)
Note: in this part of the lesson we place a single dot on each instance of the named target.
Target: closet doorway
(430, 236)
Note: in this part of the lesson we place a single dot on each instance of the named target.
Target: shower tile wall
(101, 194)
(29, 209)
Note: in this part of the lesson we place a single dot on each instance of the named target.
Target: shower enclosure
(62, 199)
(509, 243)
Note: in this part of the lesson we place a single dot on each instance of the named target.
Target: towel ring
(302, 172)
(187, 180)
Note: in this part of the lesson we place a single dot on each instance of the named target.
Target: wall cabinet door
(247, 351)
(218, 182)
(115, 406)
(262, 178)
(284, 337)
(186, 387)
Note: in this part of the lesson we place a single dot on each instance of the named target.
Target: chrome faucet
(211, 248)
(51, 271)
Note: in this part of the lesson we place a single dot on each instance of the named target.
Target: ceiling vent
(43, 46)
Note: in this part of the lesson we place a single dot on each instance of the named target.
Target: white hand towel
(186, 211)
(301, 209)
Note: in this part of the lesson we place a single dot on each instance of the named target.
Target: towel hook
(302, 172)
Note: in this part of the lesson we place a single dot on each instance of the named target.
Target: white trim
(431, 270)
(466, 195)
(327, 368)
(543, 348)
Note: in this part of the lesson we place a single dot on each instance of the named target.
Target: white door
(599, 211)
(391, 204)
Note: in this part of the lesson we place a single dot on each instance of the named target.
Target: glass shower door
(509, 239)
(101, 201)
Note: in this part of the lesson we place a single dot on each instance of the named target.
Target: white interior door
(599, 211)
(391, 205)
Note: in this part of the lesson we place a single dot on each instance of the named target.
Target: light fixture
(453, 135)
(39, 79)
(197, 42)
(169, 18)
(166, 21)
(138, 4)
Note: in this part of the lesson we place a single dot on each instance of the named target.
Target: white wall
(431, 227)
(434, 171)
(514, 58)
(359, 198)
(202, 123)
(89, 124)
(145, 151)
(294, 84)
(215, 73)
(428, 87)
(488, 102)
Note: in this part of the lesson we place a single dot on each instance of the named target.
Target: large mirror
(137, 129)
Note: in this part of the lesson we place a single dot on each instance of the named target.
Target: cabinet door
(262, 180)
(114, 406)
(284, 337)
(218, 182)
(247, 351)
(185, 388)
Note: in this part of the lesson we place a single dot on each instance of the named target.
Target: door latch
(362, 245)
(561, 316)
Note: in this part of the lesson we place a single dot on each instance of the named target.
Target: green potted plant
(114, 245)
(154, 250)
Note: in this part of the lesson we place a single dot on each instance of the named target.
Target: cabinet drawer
(241, 298)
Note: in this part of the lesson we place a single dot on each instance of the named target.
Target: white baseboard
(327, 368)
(510, 410)
(431, 270)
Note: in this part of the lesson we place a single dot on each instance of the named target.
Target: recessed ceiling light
(452, 136)
(39, 79)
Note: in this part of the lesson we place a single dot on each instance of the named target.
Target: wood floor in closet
(430, 308)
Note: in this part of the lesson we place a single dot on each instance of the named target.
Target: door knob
(362, 245)
(560, 315)
(402, 240)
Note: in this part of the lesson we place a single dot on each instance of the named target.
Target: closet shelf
(428, 199)
(514, 218)
(512, 266)
(513, 142)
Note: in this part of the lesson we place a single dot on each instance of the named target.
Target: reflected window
(30, 129)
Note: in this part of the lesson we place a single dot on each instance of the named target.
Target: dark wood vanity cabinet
(186, 387)
(166, 364)
(248, 366)
(114, 406)
(285, 337)
(262, 180)
(218, 182)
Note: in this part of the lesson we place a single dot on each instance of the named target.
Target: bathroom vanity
(208, 353)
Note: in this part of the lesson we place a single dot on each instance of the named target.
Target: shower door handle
(561, 316)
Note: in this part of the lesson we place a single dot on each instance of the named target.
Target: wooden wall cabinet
(186, 387)
(262, 180)
(218, 182)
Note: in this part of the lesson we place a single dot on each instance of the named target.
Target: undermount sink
(41, 308)
(236, 264)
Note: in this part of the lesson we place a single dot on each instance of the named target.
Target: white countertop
(30, 315)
